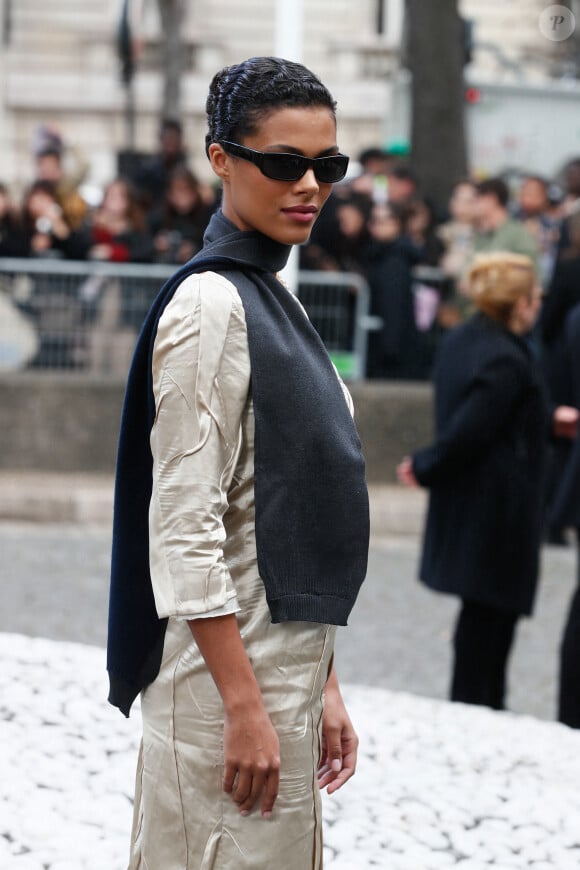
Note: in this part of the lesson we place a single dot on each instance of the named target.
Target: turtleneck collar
(254, 249)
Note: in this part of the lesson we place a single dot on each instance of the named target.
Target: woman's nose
(308, 182)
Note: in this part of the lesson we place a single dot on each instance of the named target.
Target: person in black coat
(391, 256)
(485, 473)
(563, 295)
(565, 513)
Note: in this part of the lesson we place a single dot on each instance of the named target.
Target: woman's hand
(251, 759)
(251, 746)
(339, 741)
(565, 422)
(405, 472)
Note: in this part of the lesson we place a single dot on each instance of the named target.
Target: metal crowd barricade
(337, 303)
(86, 315)
(73, 315)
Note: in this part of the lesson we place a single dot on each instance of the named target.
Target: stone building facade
(58, 64)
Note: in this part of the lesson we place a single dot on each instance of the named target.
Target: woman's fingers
(230, 772)
(244, 789)
(251, 761)
(270, 793)
(252, 785)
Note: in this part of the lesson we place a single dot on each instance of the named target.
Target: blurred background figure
(340, 242)
(117, 233)
(421, 228)
(496, 230)
(535, 211)
(353, 233)
(178, 226)
(565, 514)
(393, 350)
(485, 473)
(46, 230)
(55, 307)
(12, 237)
(152, 177)
(375, 164)
(376, 161)
(50, 154)
(457, 235)
(402, 186)
(18, 339)
(117, 230)
(571, 202)
(563, 295)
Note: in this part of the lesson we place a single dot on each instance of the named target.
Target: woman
(457, 237)
(391, 256)
(46, 230)
(258, 531)
(117, 230)
(117, 234)
(485, 472)
(178, 226)
(55, 306)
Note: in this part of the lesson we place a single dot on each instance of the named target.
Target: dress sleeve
(201, 378)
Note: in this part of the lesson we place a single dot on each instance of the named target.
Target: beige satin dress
(203, 563)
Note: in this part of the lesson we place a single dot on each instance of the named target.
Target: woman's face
(533, 199)
(40, 204)
(283, 210)
(351, 220)
(383, 225)
(181, 195)
(116, 199)
(462, 203)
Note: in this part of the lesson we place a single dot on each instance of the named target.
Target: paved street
(438, 785)
(55, 585)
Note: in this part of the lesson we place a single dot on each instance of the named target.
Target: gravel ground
(438, 784)
(56, 586)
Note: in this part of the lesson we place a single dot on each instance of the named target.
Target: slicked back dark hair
(240, 96)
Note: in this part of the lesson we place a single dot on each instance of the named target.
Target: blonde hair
(496, 281)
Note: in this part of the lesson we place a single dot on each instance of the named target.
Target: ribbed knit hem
(326, 609)
(122, 694)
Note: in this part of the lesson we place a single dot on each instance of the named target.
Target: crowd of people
(156, 213)
(416, 258)
(377, 223)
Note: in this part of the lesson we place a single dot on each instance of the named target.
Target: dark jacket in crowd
(565, 511)
(188, 227)
(563, 295)
(485, 469)
(393, 349)
(13, 240)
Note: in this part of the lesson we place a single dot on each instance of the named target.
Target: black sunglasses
(290, 167)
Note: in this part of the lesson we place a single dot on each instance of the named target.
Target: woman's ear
(219, 161)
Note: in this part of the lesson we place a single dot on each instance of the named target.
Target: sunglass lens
(331, 169)
(283, 167)
(290, 167)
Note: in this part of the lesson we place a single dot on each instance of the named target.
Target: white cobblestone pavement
(439, 785)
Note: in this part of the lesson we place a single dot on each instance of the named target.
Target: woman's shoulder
(479, 343)
(203, 302)
(210, 289)
(484, 330)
